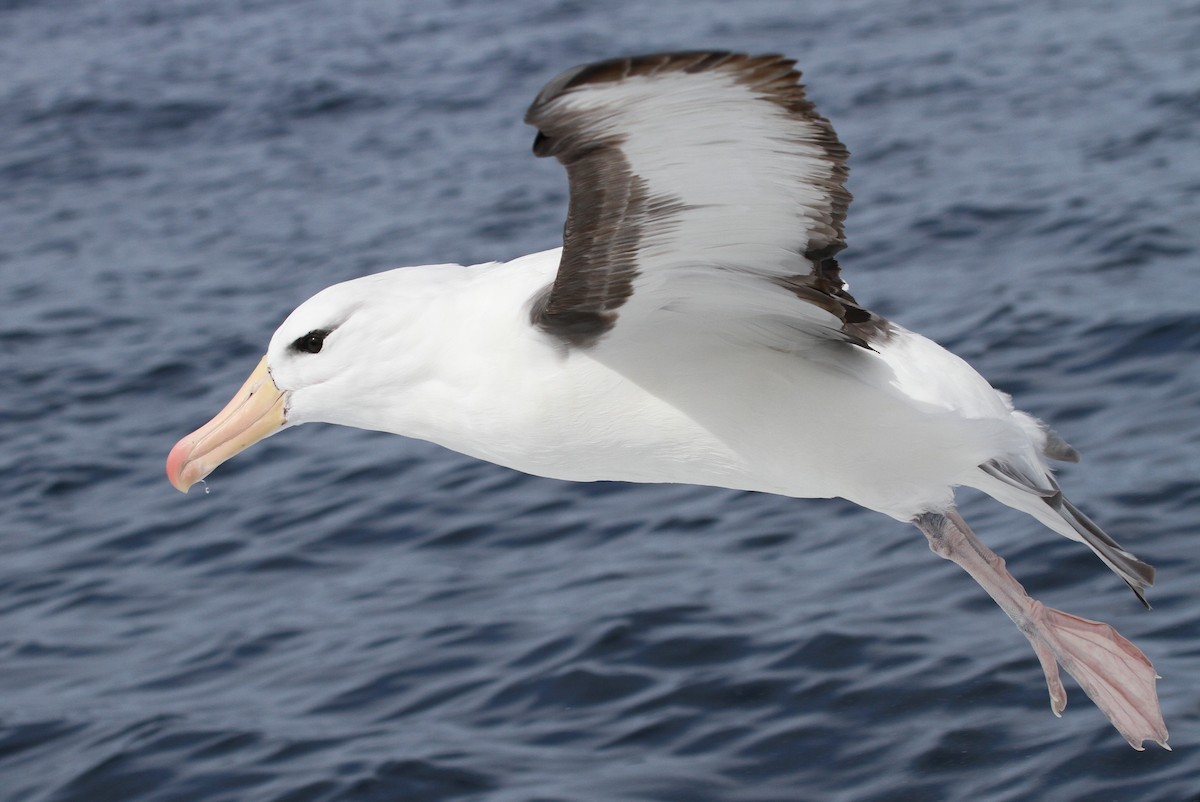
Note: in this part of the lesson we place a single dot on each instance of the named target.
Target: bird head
(310, 362)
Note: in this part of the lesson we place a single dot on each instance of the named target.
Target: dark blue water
(352, 616)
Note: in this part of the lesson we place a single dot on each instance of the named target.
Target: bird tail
(1042, 498)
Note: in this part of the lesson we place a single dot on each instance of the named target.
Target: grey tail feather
(1059, 449)
(1135, 573)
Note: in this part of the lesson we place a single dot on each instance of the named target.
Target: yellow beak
(256, 411)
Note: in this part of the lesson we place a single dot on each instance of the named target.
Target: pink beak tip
(177, 463)
(257, 410)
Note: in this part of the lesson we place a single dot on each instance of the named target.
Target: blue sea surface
(354, 616)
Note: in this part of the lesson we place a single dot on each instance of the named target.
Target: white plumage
(694, 328)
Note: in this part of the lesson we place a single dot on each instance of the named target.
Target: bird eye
(311, 343)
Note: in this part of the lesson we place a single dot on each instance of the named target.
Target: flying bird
(694, 327)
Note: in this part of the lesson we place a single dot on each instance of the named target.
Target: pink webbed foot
(1112, 671)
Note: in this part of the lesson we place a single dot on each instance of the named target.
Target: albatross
(694, 327)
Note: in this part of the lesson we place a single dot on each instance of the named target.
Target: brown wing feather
(612, 209)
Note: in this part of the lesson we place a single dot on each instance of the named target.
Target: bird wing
(702, 184)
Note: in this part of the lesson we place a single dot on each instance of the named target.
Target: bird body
(893, 429)
(694, 328)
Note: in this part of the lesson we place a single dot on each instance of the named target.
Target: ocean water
(353, 616)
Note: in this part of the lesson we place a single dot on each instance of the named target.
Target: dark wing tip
(617, 69)
(772, 74)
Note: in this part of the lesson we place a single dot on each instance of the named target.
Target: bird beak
(256, 411)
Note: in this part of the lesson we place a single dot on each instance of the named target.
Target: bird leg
(1112, 671)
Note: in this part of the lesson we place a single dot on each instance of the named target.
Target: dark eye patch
(312, 342)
